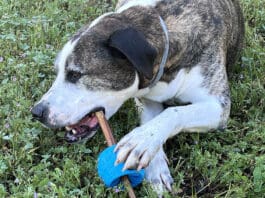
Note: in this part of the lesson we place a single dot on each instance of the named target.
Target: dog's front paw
(158, 174)
(138, 148)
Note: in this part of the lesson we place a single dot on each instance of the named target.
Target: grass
(35, 161)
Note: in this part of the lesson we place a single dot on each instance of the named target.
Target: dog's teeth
(68, 128)
(74, 131)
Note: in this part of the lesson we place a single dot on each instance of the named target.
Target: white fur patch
(132, 3)
(66, 51)
(163, 91)
(186, 87)
(148, 109)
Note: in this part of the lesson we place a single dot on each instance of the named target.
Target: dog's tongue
(85, 128)
(90, 121)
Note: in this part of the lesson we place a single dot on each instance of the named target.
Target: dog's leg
(148, 109)
(140, 146)
(157, 172)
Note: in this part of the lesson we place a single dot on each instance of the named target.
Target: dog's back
(204, 21)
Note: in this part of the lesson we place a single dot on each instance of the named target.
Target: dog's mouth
(84, 129)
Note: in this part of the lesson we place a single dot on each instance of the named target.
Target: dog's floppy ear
(134, 46)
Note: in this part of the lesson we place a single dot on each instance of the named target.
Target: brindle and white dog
(159, 52)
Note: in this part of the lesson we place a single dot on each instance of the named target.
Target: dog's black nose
(39, 112)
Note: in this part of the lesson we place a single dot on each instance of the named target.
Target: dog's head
(98, 68)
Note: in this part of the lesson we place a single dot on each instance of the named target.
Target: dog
(160, 52)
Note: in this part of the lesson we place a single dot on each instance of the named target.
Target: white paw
(138, 147)
(158, 174)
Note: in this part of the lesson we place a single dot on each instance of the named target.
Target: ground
(35, 161)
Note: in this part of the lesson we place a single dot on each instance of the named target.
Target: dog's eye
(73, 76)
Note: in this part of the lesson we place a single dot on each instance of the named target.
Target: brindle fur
(216, 37)
(204, 32)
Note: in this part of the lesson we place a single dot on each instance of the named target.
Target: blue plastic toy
(111, 174)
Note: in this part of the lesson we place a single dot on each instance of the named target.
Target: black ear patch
(137, 50)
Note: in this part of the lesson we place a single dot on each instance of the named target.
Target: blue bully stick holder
(112, 175)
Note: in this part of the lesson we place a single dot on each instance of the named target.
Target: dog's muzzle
(81, 130)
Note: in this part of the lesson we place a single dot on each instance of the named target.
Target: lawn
(37, 162)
